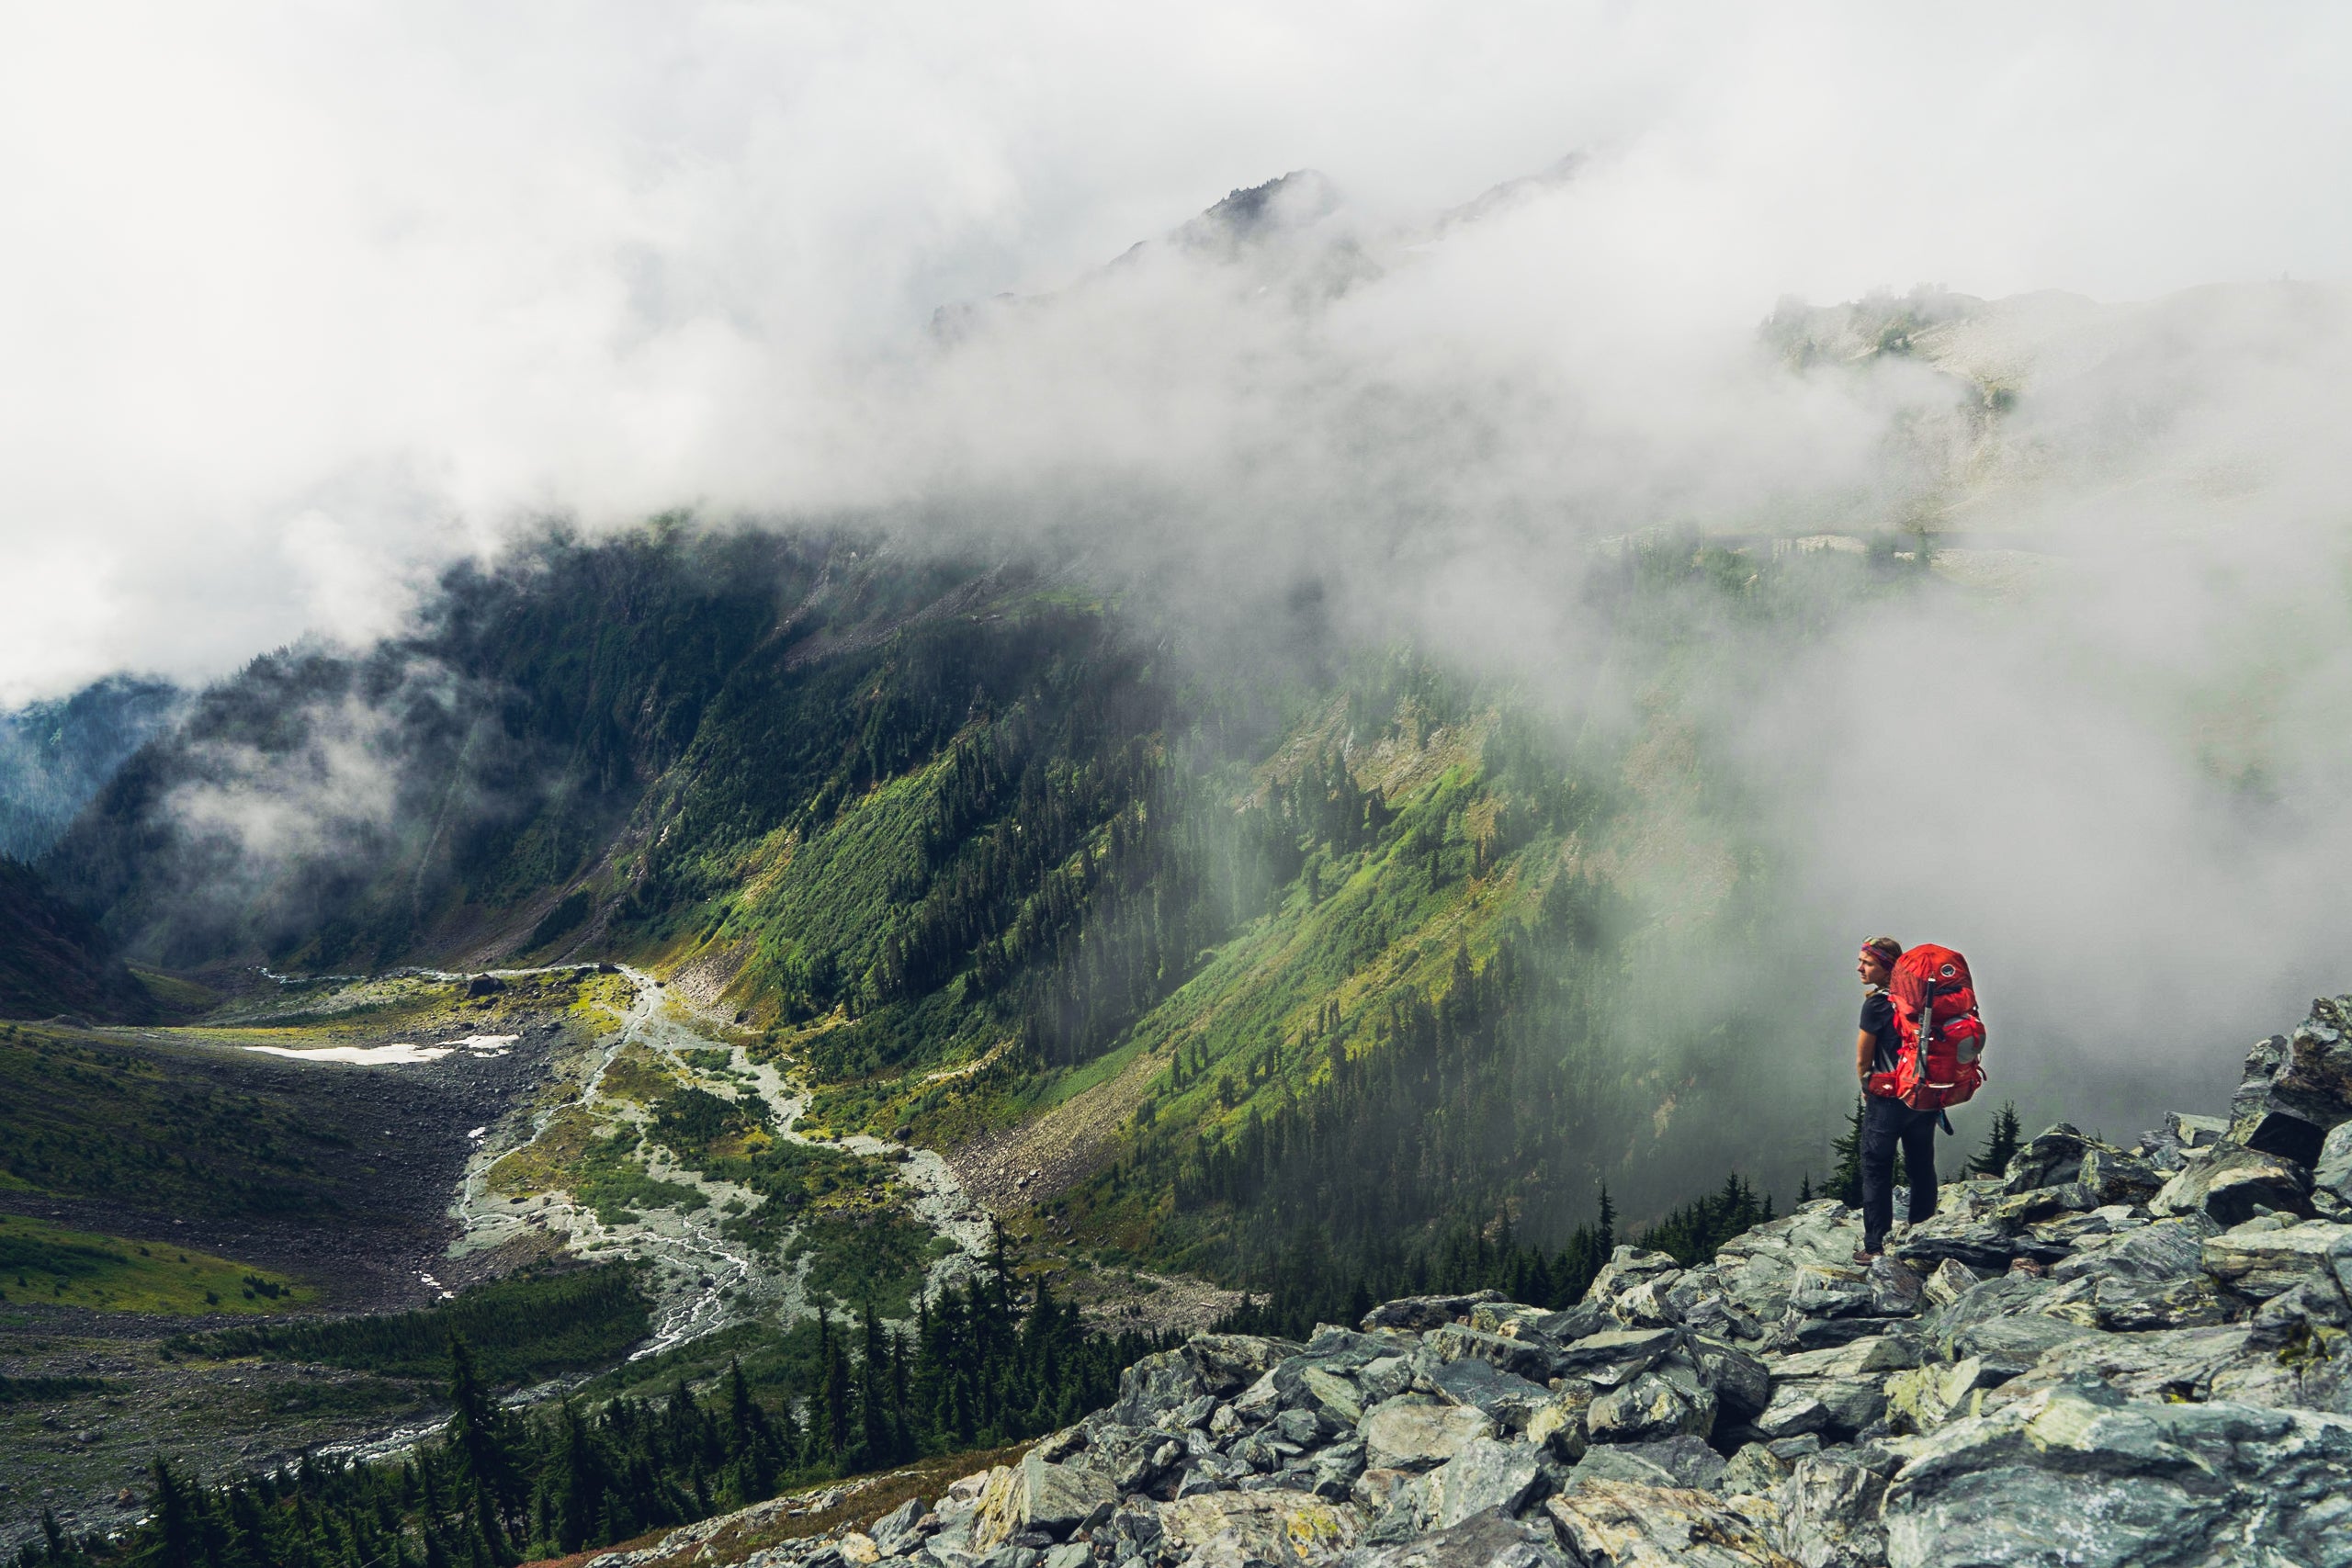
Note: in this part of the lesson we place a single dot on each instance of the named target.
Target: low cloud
(400, 277)
(299, 311)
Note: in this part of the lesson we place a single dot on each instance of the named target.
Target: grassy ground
(47, 1263)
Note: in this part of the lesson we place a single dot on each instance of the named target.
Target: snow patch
(358, 1055)
(483, 1044)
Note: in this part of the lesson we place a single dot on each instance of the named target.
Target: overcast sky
(295, 301)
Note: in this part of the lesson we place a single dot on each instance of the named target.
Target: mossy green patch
(520, 1328)
(613, 1182)
(41, 1262)
(876, 1255)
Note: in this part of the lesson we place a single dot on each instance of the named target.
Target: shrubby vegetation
(161, 1130)
(523, 1328)
(987, 1364)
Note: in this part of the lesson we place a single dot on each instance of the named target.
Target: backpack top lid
(1926, 965)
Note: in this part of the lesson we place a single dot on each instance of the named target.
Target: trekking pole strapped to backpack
(1943, 1037)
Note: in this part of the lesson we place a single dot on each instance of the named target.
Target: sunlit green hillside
(1243, 943)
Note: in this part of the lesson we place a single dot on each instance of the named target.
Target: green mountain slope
(1243, 943)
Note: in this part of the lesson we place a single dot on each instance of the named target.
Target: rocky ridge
(2105, 1356)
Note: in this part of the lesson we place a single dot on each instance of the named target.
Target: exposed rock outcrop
(2104, 1356)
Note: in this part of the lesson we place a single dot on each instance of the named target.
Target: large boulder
(1412, 1432)
(2332, 1176)
(1612, 1358)
(1056, 1497)
(2265, 1258)
(1312, 1386)
(1620, 1524)
(1485, 1476)
(1228, 1362)
(1741, 1384)
(2174, 1364)
(2297, 1087)
(2064, 1478)
(1670, 1462)
(2050, 1158)
(1668, 1401)
(1157, 1385)
(1627, 1267)
(1926, 1397)
(1482, 1540)
(1416, 1314)
(2229, 1185)
(1510, 1401)
(1829, 1513)
(1558, 1425)
(2111, 1176)
(1286, 1529)
(2160, 1253)
(1522, 1358)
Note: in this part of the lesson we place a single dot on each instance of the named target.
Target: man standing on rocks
(1887, 1122)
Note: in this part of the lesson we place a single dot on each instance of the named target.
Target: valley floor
(459, 1129)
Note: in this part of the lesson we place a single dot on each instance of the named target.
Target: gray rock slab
(1229, 1363)
(1674, 1461)
(1413, 1432)
(1653, 1405)
(1288, 1530)
(2016, 1343)
(1610, 1358)
(2333, 1173)
(2297, 1088)
(1522, 1358)
(1510, 1401)
(2063, 1479)
(1741, 1382)
(1621, 1524)
(1417, 1314)
(1482, 1540)
(2048, 1158)
(2229, 1186)
(2260, 1262)
(1829, 1513)
(1056, 1497)
(1486, 1475)
(1879, 1353)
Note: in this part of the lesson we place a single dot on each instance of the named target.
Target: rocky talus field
(2108, 1356)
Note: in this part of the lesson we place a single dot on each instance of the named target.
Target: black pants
(1886, 1124)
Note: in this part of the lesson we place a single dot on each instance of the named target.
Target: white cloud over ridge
(297, 303)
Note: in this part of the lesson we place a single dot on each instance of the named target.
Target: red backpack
(1943, 1068)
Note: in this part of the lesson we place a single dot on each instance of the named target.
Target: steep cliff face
(2103, 1355)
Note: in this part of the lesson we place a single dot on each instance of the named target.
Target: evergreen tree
(2001, 1142)
(1845, 1182)
(177, 1541)
(480, 1437)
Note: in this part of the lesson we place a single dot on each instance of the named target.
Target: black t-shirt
(1878, 1019)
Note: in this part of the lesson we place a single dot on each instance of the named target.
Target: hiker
(1887, 1122)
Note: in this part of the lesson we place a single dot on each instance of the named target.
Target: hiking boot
(1864, 1256)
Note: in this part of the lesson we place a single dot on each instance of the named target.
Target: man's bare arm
(1865, 1054)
